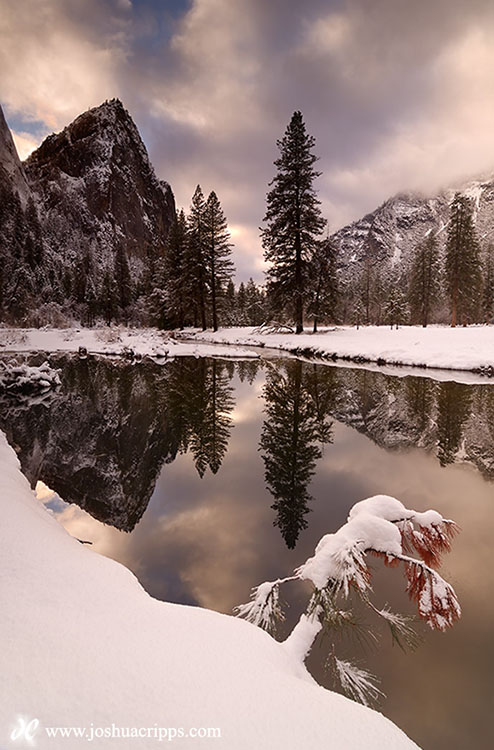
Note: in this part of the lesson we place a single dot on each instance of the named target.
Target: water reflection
(101, 441)
(298, 403)
(143, 442)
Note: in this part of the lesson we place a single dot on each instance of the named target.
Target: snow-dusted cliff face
(389, 235)
(12, 176)
(93, 181)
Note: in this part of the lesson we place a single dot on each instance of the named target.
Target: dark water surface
(206, 477)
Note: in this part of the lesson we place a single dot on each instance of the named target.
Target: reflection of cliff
(451, 420)
(101, 440)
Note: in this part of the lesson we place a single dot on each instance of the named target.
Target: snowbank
(84, 646)
(441, 347)
(128, 342)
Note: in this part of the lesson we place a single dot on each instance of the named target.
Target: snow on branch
(356, 683)
(383, 526)
(264, 608)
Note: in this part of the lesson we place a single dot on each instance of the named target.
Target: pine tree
(108, 296)
(122, 280)
(488, 286)
(324, 297)
(395, 309)
(91, 299)
(230, 311)
(255, 311)
(196, 250)
(294, 221)
(217, 255)
(175, 265)
(424, 283)
(462, 266)
(241, 304)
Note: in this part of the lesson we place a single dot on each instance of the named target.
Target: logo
(25, 730)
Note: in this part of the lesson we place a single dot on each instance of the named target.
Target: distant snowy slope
(84, 646)
(389, 235)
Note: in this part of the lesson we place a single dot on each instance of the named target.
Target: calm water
(183, 473)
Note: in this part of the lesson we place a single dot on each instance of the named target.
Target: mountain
(94, 181)
(83, 222)
(388, 236)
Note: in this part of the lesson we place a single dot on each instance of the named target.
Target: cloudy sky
(399, 94)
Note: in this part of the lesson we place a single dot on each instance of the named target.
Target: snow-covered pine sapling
(382, 526)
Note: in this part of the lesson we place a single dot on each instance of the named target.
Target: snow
(114, 341)
(84, 645)
(24, 379)
(435, 347)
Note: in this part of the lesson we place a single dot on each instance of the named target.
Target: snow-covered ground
(441, 347)
(112, 341)
(84, 646)
(462, 354)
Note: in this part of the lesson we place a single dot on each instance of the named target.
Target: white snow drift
(84, 646)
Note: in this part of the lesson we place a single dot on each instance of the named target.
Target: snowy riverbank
(84, 646)
(113, 341)
(461, 349)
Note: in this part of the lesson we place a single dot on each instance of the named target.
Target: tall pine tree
(462, 266)
(424, 283)
(196, 267)
(175, 265)
(324, 296)
(294, 221)
(217, 254)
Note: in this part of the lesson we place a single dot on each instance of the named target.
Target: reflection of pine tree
(247, 369)
(211, 421)
(322, 384)
(454, 406)
(289, 442)
(419, 395)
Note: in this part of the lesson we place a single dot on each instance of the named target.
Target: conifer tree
(255, 311)
(324, 296)
(424, 283)
(241, 304)
(122, 280)
(488, 286)
(217, 255)
(108, 296)
(230, 311)
(175, 266)
(395, 309)
(462, 266)
(196, 251)
(293, 221)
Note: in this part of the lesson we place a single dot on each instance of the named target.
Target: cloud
(25, 144)
(399, 95)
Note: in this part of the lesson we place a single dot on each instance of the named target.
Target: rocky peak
(96, 174)
(12, 176)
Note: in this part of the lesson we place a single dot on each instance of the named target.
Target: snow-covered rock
(23, 379)
(84, 646)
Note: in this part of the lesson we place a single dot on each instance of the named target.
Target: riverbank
(436, 347)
